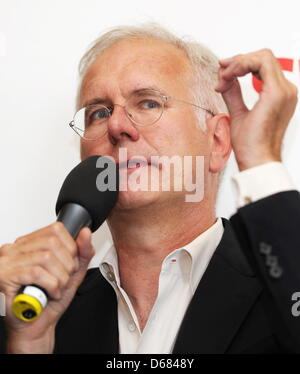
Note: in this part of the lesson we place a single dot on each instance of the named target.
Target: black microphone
(86, 198)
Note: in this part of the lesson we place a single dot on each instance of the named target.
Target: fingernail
(224, 61)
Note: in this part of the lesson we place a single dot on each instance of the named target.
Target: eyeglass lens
(143, 108)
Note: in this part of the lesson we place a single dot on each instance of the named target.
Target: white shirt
(261, 181)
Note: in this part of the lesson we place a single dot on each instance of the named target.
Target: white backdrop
(41, 42)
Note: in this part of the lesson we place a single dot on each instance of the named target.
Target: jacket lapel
(223, 298)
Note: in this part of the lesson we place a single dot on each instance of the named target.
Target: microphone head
(92, 184)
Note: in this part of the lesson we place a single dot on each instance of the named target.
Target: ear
(219, 128)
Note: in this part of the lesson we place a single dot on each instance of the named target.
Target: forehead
(135, 64)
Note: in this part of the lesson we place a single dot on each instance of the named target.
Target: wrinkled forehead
(136, 64)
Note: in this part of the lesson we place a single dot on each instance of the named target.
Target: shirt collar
(201, 249)
(190, 261)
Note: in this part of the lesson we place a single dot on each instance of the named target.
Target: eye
(100, 114)
(97, 114)
(149, 104)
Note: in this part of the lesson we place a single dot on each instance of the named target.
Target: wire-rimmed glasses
(143, 108)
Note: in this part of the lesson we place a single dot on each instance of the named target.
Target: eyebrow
(99, 100)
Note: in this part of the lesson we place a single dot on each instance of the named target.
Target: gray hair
(204, 63)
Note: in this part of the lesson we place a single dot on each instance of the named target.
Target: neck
(144, 237)
(151, 233)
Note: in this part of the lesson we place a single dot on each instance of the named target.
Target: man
(177, 278)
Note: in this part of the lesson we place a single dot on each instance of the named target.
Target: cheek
(93, 148)
(196, 138)
(183, 138)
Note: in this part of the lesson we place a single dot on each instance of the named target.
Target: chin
(137, 199)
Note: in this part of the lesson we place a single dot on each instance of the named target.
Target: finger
(50, 263)
(46, 260)
(56, 229)
(40, 232)
(37, 275)
(226, 61)
(6, 249)
(51, 244)
(223, 84)
(234, 99)
(262, 63)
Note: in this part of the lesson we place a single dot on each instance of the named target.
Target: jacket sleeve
(3, 336)
(269, 233)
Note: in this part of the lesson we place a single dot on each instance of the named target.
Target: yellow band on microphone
(26, 307)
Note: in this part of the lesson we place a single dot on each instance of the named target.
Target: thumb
(85, 248)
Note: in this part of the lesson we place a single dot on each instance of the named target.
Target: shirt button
(276, 272)
(105, 267)
(131, 326)
(271, 261)
(110, 276)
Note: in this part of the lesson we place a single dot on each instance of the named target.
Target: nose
(120, 126)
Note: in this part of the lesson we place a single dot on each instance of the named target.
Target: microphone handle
(74, 217)
(31, 300)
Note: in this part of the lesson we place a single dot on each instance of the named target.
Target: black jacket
(242, 304)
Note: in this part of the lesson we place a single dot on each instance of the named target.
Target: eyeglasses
(143, 108)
